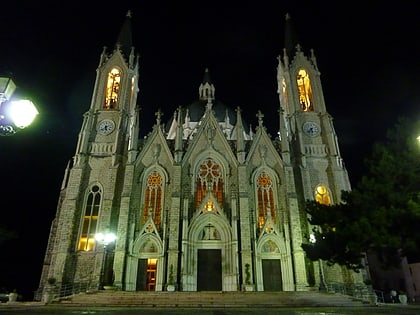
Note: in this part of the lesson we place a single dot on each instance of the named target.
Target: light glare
(22, 113)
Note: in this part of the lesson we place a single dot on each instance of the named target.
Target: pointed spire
(178, 137)
(240, 139)
(206, 78)
(290, 37)
(125, 38)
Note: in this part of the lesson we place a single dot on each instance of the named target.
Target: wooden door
(272, 275)
(209, 270)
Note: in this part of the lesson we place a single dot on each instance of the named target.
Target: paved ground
(39, 309)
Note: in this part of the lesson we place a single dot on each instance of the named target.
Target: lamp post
(322, 283)
(14, 114)
(105, 239)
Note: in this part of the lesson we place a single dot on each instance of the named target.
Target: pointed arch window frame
(112, 88)
(265, 192)
(322, 194)
(153, 196)
(89, 222)
(210, 173)
(304, 87)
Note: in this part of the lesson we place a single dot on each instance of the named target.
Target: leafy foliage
(382, 213)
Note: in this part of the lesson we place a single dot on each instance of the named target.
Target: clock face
(106, 126)
(311, 129)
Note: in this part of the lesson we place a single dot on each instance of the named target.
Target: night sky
(369, 59)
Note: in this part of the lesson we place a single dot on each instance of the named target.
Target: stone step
(210, 299)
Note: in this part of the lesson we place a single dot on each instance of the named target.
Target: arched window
(112, 89)
(322, 195)
(305, 91)
(209, 177)
(90, 219)
(265, 199)
(153, 198)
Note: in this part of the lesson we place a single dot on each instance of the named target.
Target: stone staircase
(209, 299)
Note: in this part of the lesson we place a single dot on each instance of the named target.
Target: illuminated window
(90, 219)
(322, 196)
(209, 178)
(305, 91)
(265, 199)
(153, 198)
(112, 89)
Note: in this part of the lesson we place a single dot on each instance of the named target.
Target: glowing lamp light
(14, 114)
(105, 238)
(22, 113)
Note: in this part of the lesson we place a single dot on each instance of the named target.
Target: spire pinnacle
(124, 40)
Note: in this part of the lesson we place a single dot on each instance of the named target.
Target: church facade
(204, 202)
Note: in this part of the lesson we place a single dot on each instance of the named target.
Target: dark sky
(368, 58)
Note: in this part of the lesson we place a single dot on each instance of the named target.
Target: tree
(382, 213)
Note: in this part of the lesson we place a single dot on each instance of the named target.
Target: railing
(64, 290)
(76, 288)
(358, 291)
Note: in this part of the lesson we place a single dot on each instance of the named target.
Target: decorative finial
(158, 115)
(260, 116)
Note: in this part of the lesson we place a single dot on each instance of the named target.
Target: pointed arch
(265, 183)
(112, 88)
(304, 90)
(210, 222)
(147, 245)
(91, 208)
(209, 177)
(322, 195)
(153, 196)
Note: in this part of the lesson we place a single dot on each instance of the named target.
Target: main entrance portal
(272, 275)
(209, 270)
(146, 275)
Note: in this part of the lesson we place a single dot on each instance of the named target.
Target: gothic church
(204, 202)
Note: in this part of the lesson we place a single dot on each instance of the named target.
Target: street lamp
(14, 114)
(322, 283)
(105, 239)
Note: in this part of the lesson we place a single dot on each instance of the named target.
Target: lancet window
(305, 91)
(90, 219)
(112, 89)
(209, 178)
(153, 198)
(322, 195)
(265, 199)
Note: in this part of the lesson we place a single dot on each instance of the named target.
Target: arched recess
(209, 231)
(112, 88)
(219, 181)
(153, 186)
(274, 264)
(90, 218)
(265, 183)
(304, 87)
(146, 249)
(322, 194)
